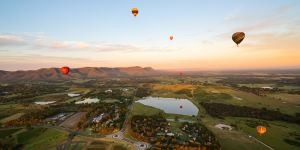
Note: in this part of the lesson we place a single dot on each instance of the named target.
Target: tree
(176, 118)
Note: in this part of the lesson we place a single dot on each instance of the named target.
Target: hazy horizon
(174, 70)
(42, 34)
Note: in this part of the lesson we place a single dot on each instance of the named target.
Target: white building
(267, 87)
(108, 91)
(99, 118)
(73, 95)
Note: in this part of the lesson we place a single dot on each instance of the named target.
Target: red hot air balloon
(171, 37)
(65, 70)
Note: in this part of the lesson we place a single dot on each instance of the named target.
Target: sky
(103, 33)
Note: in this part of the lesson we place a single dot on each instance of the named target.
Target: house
(267, 87)
(73, 95)
(99, 118)
(108, 91)
(170, 134)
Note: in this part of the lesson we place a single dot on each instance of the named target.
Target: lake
(171, 105)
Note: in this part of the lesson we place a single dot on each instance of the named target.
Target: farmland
(115, 117)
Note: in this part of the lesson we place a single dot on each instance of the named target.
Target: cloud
(32, 61)
(275, 29)
(261, 20)
(39, 42)
(69, 45)
(287, 42)
(7, 39)
(58, 45)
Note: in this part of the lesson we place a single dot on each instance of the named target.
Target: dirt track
(72, 121)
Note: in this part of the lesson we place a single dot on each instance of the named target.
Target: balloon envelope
(171, 37)
(261, 130)
(135, 11)
(238, 37)
(65, 70)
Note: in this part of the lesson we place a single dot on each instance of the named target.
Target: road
(261, 142)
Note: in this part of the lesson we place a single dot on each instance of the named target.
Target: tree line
(226, 110)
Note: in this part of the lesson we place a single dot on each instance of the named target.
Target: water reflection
(171, 105)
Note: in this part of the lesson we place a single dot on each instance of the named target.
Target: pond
(88, 101)
(171, 105)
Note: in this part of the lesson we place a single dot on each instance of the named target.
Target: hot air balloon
(181, 74)
(65, 70)
(261, 130)
(180, 106)
(171, 37)
(238, 37)
(134, 11)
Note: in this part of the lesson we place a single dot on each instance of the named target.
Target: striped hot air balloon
(134, 11)
(238, 37)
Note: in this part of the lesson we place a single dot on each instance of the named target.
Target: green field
(40, 138)
(26, 136)
(246, 99)
(283, 87)
(110, 101)
(12, 117)
(5, 133)
(256, 85)
(276, 132)
(141, 109)
(285, 97)
(106, 145)
(119, 147)
(289, 87)
(77, 145)
(36, 138)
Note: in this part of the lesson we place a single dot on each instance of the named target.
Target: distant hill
(80, 73)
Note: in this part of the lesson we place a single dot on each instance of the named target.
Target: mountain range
(79, 73)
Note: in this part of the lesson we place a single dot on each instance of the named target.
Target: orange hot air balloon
(171, 37)
(65, 70)
(238, 37)
(134, 11)
(261, 130)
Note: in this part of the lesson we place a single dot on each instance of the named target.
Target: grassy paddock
(247, 99)
(12, 117)
(275, 135)
(5, 133)
(141, 109)
(42, 138)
